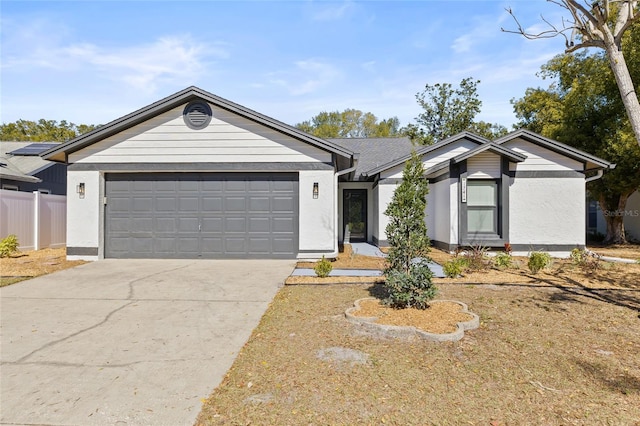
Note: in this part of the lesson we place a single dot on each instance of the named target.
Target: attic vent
(197, 115)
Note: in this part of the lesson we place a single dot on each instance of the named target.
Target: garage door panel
(235, 245)
(188, 204)
(259, 225)
(283, 224)
(212, 245)
(235, 224)
(142, 204)
(282, 245)
(119, 204)
(191, 215)
(212, 205)
(259, 205)
(141, 186)
(188, 224)
(259, 245)
(144, 224)
(189, 245)
(235, 204)
(283, 204)
(235, 186)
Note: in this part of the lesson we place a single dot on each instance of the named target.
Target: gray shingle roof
(374, 152)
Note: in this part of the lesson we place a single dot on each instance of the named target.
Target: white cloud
(332, 12)
(306, 77)
(172, 58)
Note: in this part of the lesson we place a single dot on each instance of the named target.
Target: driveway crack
(55, 342)
(106, 318)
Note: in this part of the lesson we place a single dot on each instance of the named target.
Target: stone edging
(409, 331)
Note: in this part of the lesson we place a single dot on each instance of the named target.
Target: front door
(355, 214)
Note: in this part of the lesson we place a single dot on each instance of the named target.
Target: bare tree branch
(592, 24)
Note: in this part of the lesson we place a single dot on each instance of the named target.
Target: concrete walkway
(127, 341)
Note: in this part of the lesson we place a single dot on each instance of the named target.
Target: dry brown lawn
(628, 251)
(557, 348)
(28, 264)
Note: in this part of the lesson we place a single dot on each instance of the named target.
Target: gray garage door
(208, 215)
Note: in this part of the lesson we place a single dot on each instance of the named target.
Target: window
(9, 187)
(482, 207)
(44, 191)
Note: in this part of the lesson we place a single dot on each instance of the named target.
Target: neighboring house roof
(184, 96)
(21, 160)
(373, 152)
(591, 162)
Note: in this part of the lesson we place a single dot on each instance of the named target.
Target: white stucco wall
(317, 216)
(438, 206)
(385, 194)
(547, 211)
(83, 214)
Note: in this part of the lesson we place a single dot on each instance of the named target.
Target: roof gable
(425, 150)
(189, 94)
(591, 162)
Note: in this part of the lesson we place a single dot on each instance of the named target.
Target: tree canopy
(350, 123)
(602, 24)
(448, 110)
(582, 108)
(43, 130)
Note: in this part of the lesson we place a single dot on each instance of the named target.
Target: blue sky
(90, 62)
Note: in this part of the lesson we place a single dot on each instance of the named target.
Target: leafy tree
(602, 24)
(449, 110)
(408, 278)
(350, 123)
(582, 108)
(43, 130)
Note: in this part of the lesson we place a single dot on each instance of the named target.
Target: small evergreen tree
(408, 278)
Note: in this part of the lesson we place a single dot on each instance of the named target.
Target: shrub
(587, 261)
(412, 289)
(538, 261)
(8, 246)
(323, 268)
(454, 267)
(503, 260)
(477, 258)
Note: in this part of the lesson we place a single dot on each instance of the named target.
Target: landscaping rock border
(410, 331)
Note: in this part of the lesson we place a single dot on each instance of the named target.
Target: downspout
(335, 211)
(597, 176)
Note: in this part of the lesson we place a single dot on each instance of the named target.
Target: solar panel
(34, 149)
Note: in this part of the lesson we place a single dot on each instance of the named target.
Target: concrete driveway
(127, 341)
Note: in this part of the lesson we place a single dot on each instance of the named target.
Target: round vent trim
(197, 115)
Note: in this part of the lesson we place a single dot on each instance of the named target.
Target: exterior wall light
(80, 189)
(315, 190)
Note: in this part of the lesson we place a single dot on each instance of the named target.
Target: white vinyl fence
(38, 220)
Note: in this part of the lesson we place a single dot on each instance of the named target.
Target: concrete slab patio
(127, 341)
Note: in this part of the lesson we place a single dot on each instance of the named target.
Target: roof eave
(116, 126)
(566, 150)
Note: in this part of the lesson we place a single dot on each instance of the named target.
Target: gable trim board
(536, 184)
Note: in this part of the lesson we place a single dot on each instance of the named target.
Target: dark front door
(355, 214)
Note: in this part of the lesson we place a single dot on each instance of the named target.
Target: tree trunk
(613, 208)
(623, 79)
